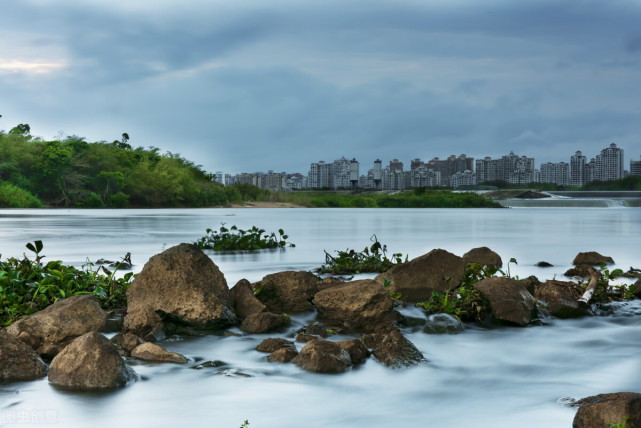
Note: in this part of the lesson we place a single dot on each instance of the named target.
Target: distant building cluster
(455, 172)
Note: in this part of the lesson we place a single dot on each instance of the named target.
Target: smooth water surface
(502, 377)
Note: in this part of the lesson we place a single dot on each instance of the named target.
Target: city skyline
(240, 85)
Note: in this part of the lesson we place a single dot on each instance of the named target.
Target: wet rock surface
(272, 344)
(91, 361)
(357, 351)
(289, 292)
(561, 298)
(151, 352)
(18, 361)
(437, 270)
(483, 256)
(603, 410)
(509, 299)
(244, 301)
(263, 322)
(322, 356)
(442, 324)
(282, 355)
(592, 258)
(391, 348)
(47, 332)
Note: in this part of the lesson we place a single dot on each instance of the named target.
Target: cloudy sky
(255, 85)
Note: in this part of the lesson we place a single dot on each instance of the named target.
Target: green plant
(623, 423)
(371, 259)
(234, 238)
(28, 285)
(245, 424)
(395, 296)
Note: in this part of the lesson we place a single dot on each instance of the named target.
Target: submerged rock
(288, 292)
(151, 352)
(443, 324)
(603, 410)
(181, 285)
(361, 305)
(243, 300)
(272, 344)
(357, 351)
(47, 332)
(322, 356)
(282, 355)
(509, 300)
(592, 258)
(264, 322)
(437, 270)
(394, 350)
(483, 256)
(18, 361)
(91, 361)
(561, 298)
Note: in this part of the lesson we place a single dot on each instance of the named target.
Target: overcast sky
(254, 85)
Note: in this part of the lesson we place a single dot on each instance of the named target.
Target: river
(499, 377)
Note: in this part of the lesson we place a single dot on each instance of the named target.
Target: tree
(22, 129)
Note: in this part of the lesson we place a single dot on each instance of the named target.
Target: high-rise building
(510, 168)
(555, 173)
(609, 164)
(450, 166)
(463, 179)
(578, 169)
(635, 167)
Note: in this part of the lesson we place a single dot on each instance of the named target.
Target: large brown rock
(18, 361)
(272, 344)
(358, 352)
(561, 298)
(591, 258)
(391, 348)
(636, 288)
(483, 256)
(145, 322)
(151, 352)
(282, 355)
(264, 322)
(509, 300)
(437, 270)
(288, 292)
(181, 285)
(47, 332)
(91, 361)
(244, 301)
(604, 409)
(361, 305)
(323, 356)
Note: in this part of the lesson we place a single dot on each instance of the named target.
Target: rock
(287, 292)
(145, 322)
(530, 283)
(360, 305)
(91, 361)
(182, 285)
(358, 352)
(53, 328)
(437, 270)
(442, 324)
(604, 409)
(130, 342)
(591, 258)
(243, 300)
(151, 352)
(330, 281)
(544, 264)
(304, 338)
(483, 256)
(393, 349)
(323, 356)
(561, 298)
(17, 360)
(582, 271)
(114, 322)
(317, 329)
(263, 322)
(272, 344)
(636, 288)
(282, 355)
(509, 299)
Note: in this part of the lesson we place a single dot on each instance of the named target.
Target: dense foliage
(238, 239)
(72, 172)
(371, 259)
(27, 286)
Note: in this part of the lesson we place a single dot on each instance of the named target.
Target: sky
(255, 85)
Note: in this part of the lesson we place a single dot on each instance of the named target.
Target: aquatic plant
(371, 259)
(28, 285)
(623, 423)
(234, 238)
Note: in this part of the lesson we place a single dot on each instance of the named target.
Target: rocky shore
(181, 291)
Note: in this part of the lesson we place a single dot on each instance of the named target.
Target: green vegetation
(371, 259)
(623, 423)
(238, 239)
(27, 286)
(72, 172)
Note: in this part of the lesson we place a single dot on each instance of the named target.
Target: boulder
(323, 356)
(264, 322)
(582, 271)
(483, 256)
(636, 288)
(509, 300)
(443, 324)
(561, 298)
(361, 305)
(288, 292)
(544, 264)
(330, 281)
(272, 344)
(437, 270)
(91, 361)
(53, 328)
(304, 337)
(145, 322)
(604, 410)
(282, 355)
(181, 285)
(394, 350)
(357, 351)
(151, 352)
(592, 258)
(243, 300)
(18, 361)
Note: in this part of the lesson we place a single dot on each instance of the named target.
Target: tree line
(72, 172)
